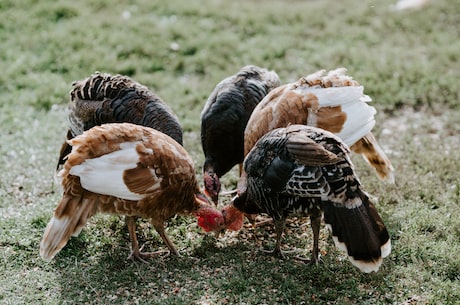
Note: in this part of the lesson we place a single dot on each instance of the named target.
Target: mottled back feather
(104, 98)
(305, 170)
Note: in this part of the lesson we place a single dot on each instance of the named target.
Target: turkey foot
(309, 261)
(138, 255)
(252, 218)
(279, 228)
(263, 223)
(276, 252)
(315, 223)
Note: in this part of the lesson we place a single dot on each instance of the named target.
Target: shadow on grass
(209, 273)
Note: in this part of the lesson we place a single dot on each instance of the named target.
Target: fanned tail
(100, 86)
(358, 230)
(68, 220)
(375, 156)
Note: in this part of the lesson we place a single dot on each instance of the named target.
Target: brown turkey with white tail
(332, 101)
(128, 170)
(306, 170)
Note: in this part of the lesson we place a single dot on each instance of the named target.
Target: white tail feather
(360, 116)
(360, 121)
(364, 266)
(333, 96)
(54, 238)
(69, 218)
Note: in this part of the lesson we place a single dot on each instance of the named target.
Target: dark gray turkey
(306, 170)
(103, 98)
(224, 119)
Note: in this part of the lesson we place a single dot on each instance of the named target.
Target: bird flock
(124, 155)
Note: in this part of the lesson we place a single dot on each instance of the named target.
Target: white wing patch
(104, 175)
(334, 96)
(360, 121)
(360, 116)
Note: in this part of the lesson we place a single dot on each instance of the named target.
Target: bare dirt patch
(418, 127)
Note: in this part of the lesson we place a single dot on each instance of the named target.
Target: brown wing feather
(283, 107)
(308, 151)
(141, 180)
(280, 108)
(331, 118)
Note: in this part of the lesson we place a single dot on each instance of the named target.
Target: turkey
(334, 102)
(103, 98)
(130, 170)
(224, 119)
(307, 171)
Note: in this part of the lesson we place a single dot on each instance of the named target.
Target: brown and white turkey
(131, 170)
(333, 101)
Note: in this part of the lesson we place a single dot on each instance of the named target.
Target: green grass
(408, 61)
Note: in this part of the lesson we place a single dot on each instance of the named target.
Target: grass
(408, 62)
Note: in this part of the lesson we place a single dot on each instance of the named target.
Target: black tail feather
(359, 231)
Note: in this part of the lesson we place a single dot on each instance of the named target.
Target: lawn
(409, 63)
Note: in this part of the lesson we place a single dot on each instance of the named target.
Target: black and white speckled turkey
(224, 119)
(103, 98)
(306, 170)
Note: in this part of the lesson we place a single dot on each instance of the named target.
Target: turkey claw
(308, 261)
(276, 253)
(138, 255)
